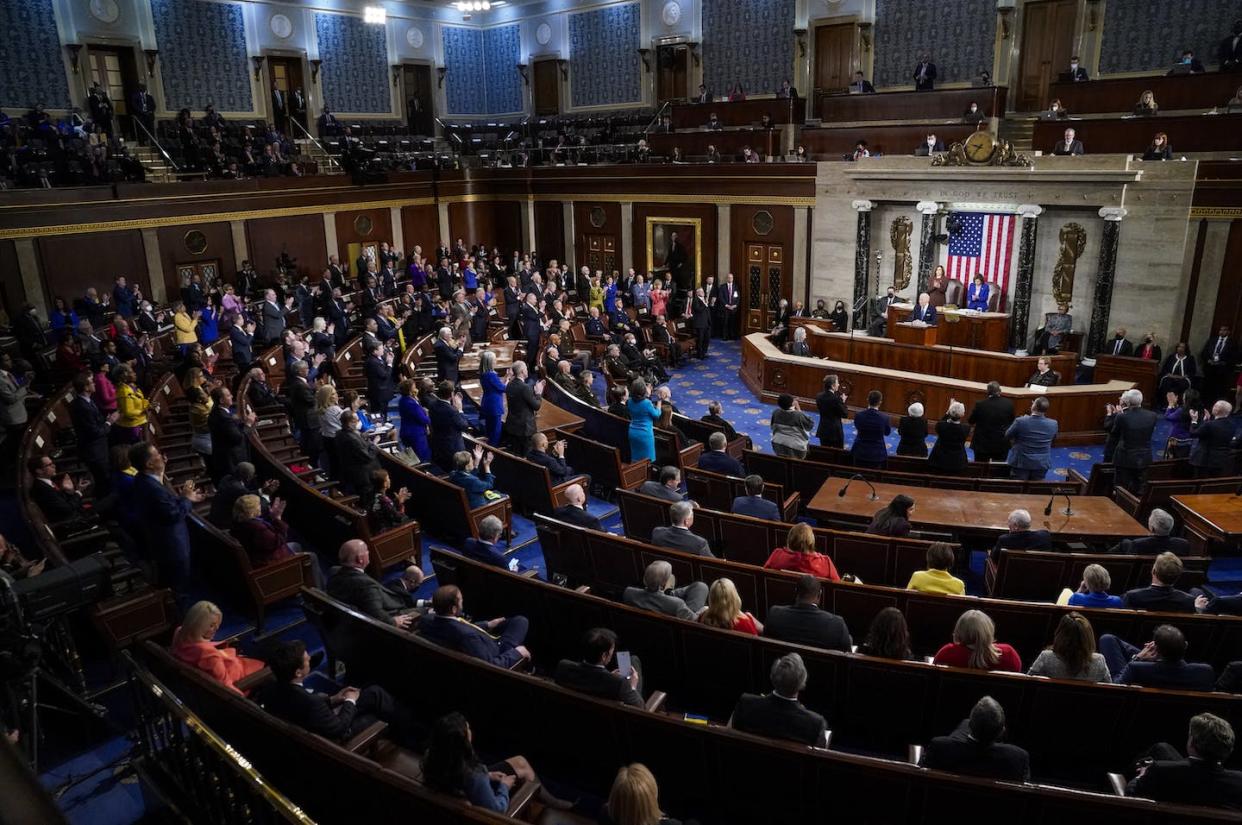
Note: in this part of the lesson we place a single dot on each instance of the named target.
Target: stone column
(862, 259)
(927, 244)
(801, 239)
(1102, 304)
(1020, 313)
(32, 281)
(528, 223)
(398, 231)
(567, 215)
(446, 231)
(330, 242)
(241, 252)
(627, 237)
(155, 266)
(724, 242)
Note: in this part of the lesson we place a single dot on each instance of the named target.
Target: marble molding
(1025, 276)
(927, 243)
(1102, 302)
(862, 259)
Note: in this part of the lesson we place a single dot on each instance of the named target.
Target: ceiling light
(374, 14)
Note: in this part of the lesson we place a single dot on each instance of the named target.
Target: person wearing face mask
(1187, 64)
(931, 145)
(1076, 73)
(973, 114)
(1056, 111)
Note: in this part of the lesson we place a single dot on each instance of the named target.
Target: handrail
(315, 141)
(157, 145)
(655, 118)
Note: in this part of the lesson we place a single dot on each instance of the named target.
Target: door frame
(313, 106)
(1087, 44)
(554, 59)
(80, 83)
(859, 60)
(435, 102)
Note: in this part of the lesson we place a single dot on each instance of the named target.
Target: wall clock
(280, 25)
(543, 34)
(671, 13)
(105, 11)
(414, 36)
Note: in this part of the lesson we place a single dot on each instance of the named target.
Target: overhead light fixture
(375, 14)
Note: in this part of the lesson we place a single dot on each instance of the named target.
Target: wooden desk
(1196, 91)
(741, 112)
(469, 363)
(1211, 521)
(548, 417)
(908, 332)
(976, 330)
(1124, 368)
(940, 105)
(897, 139)
(768, 372)
(1095, 519)
(1187, 133)
(728, 142)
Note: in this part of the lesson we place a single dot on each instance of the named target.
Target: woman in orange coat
(192, 643)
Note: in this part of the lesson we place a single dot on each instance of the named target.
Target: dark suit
(91, 429)
(1075, 148)
(701, 323)
(681, 538)
(1158, 673)
(924, 77)
(1217, 358)
(356, 460)
(447, 426)
(913, 436)
(57, 505)
(558, 470)
(870, 427)
(1129, 443)
(519, 424)
(532, 328)
(807, 624)
(1022, 540)
(658, 490)
(301, 401)
(163, 514)
(718, 461)
(577, 515)
(243, 352)
(596, 680)
(779, 718)
(832, 411)
(229, 446)
(447, 358)
(1159, 597)
(1118, 347)
(272, 321)
(314, 711)
(756, 507)
(1189, 782)
(926, 314)
(1212, 454)
(1152, 546)
(464, 637)
(726, 306)
(948, 455)
(366, 595)
(485, 552)
(959, 753)
(379, 385)
(923, 150)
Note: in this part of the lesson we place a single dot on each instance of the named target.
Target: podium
(908, 332)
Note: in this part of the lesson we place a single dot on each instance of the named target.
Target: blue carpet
(101, 798)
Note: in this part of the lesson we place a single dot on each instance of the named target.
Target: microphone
(857, 477)
(1069, 509)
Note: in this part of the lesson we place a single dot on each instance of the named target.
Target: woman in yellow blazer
(184, 327)
(131, 407)
(937, 578)
(597, 294)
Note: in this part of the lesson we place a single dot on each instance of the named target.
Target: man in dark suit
(574, 511)
(163, 513)
(991, 417)
(1229, 54)
(591, 675)
(484, 548)
(1068, 145)
(925, 75)
(1077, 72)
(716, 460)
(753, 504)
(241, 336)
(91, 428)
(667, 488)
(531, 327)
(552, 457)
(1218, 357)
(1212, 454)
(879, 324)
(301, 397)
(678, 536)
(350, 583)
(273, 315)
(524, 402)
(280, 108)
(727, 300)
(1161, 663)
(447, 426)
(660, 593)
(1120, 345)
(1161, 594)
(123, 298)
(55, 495)
(703, 95)
(142, 107)
(698, 314)
(1130, 429)
(929, 146)
(448, 353)
(335, 717)
(229, 443)
(805, 623)
(1160, 524)
(779, 714)
(924, 310)
(496, 641)
(379, 380)
(1021, 536)
(975, 747)
(1199, 779)
(870, 427)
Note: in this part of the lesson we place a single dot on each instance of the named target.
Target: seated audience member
(860, 85)
(1160, 523)
(591, 674)
(335, 717)
(551, 456)
(496, 641)
(976, 748)
(893, 519)
(264, 537)
(391, 604)
(805, 623)
(635, 800)
(1159, 148)
(667, 488)
(574, 511)
(1187, 64)
(660, 593)
(716, 460)
(484, 548)
(1146, 104)
(779, 714)
(912, 431)
(386, 509)
(1072, 655)
(192, 643)
(753, 504)
(974, 645)
(1217, 605)
(888, 636)
(233, 486)
(715, 417)
(1093, 592)
(1044, 375)
(937, 578)
(1161, 663)
(451, 767)
(1161, 594)
(930, 146)
(14, 564)
(1021, 536)
(473, 473)
(54, 493)
(1200, 778)
(724, 609)
(799, 555)
(1068, 145)
(678, 535)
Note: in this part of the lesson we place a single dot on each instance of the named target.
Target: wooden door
(834, 56)
(112, 67)
(673, 73)
(419, 100)
(766, 282)
(208, 272)
(286, 73)
(1047, 45)
(601, 253)
(547, 87)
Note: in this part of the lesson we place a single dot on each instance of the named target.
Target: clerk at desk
(924, 311)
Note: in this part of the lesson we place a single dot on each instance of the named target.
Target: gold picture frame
(696, 223)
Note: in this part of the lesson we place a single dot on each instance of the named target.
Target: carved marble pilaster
(927, 244)
(862, 256)
(1020, 314)
(1102, 304)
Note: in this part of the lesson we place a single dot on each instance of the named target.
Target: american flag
(983, 246)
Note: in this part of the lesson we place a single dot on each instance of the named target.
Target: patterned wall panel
(604, 64)
(465, 86)
(31, 70)
(203, 54)
(748, 42)
(502, 51)
(1147, 34)
(959, 37)
(355, 64)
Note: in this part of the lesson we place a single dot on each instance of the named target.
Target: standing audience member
(870, 428)
(162, 512)
(832, 411)
(912, 432)
(948, 455)
(90, 428)
(1130, 429)
(791, 428)
(991, 418)
(1212, 454)
(643, 415)
(523, 403)
(1032, 436)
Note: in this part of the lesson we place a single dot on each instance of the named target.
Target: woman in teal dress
(643, 415)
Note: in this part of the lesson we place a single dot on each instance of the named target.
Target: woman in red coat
(192, 643)
(801, 557)
(264, 538)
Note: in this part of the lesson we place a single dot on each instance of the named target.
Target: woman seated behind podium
(724, 609)
(974, 646)
(937, 578)
(912, 428)
(893, 519)
(1146, 106)
(977, 294)
(1159, 148)
(799, 555)
(192, 643)
(948, 455)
